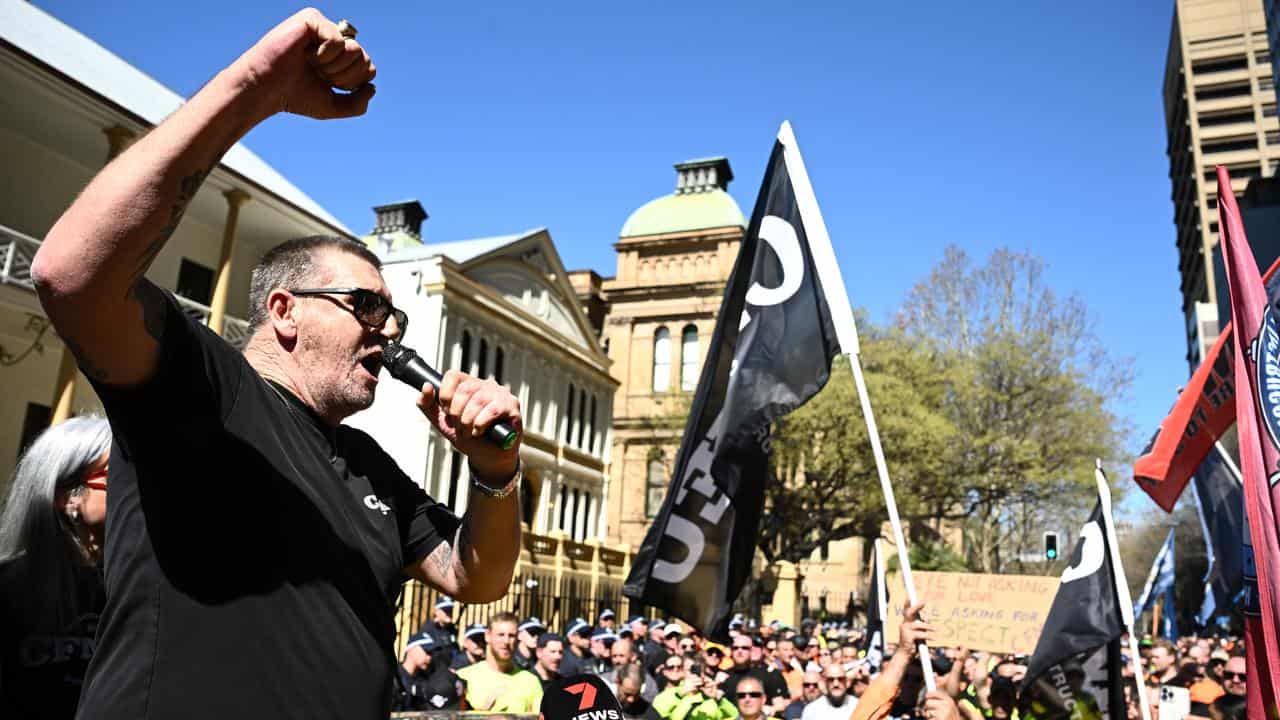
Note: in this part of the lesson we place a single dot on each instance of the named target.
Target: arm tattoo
(84, 361)
(186, 191)
(154, 307)
(447, 553)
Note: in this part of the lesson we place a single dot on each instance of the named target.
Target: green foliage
(992, 399)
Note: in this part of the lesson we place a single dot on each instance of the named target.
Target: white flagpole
(1226, 458)
(1122, 588)
(824, 260)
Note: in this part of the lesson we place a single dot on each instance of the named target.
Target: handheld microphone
(405, 366)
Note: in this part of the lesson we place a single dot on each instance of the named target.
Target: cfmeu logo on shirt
(373, 503)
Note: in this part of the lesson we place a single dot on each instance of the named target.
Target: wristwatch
(497, 493)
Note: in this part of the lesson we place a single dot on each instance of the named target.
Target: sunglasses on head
(96, 479)
(370, 308)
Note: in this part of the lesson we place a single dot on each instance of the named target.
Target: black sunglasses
(370, 308)
(751, 694)
(809, 684)
(1228, 675)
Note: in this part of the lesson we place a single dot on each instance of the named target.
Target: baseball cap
(657, 624)
(422, 640)
(472, 631)
(531, 624)
(637, 619)
(445, 603)
(606, 614)
(603, 634)
(671, 629)
(578, 626)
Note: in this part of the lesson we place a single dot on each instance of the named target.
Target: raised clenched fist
(305, 66)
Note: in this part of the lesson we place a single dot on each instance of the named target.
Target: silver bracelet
(499, 492)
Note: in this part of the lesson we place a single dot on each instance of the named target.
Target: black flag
(877, 600)
(1084, 618)
(770, 352)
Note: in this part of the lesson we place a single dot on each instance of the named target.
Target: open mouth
(372, 364)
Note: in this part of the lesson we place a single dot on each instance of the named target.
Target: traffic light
(1050, 545)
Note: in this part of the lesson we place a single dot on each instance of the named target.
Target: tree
(1138, 548)
(1027, 387)
(826, 487)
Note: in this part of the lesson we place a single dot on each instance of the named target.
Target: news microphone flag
(1256, 353)
(772, 347)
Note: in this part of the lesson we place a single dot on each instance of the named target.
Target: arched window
(482, 371)
(568, 417)
(655, 484)
(689, 358)
(582, 418)
(661, 359)
(465, 365)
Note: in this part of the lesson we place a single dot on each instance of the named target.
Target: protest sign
(996, 613)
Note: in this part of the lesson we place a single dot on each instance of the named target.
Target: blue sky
(1037, 126)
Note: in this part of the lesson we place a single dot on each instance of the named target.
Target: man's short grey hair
(37, 542)
(630, 671)
(291, 264)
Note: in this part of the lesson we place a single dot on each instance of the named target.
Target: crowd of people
(667, 670)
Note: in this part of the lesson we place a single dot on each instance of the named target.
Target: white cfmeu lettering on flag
(373, 503)
(698, 478)
(1092, 549)
(781, 236)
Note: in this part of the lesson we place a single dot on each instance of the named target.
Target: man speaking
(255, 546)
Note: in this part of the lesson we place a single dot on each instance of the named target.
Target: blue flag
(1219, 500)
(1160, 584)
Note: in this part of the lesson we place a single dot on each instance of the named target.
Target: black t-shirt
(42, 668)
(571, 664)
(524, 662)
(253, 555)
(437, 689)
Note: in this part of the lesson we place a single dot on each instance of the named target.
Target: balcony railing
(18, 250)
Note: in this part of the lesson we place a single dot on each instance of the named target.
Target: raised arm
(477, 564)
(878, 698)
(89, 269)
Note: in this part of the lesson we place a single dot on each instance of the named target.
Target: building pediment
(528, 273)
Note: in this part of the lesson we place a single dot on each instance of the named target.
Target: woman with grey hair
(51, 587)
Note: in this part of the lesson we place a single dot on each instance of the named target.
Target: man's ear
(282, 308)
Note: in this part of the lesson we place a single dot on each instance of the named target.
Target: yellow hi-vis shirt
(518, 691)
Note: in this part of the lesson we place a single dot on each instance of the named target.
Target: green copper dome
(699, 202)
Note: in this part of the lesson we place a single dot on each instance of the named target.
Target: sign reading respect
(996, 613)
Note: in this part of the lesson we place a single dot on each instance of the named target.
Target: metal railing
(17, 250)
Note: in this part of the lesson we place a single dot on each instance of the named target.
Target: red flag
(1205, 410)
(1257, 374)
